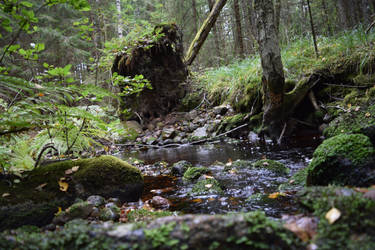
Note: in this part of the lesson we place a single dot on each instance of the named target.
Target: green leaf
(14, 47)
(27, 4)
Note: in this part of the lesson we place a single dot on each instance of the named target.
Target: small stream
(244, 188)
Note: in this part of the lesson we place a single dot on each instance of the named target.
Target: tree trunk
(119, 27)
(313, 29)
(216, 35)
(202, 34)
(273, 75)
(238, 41)
(248, 35)
(326, 18)
(277, 15)
(195, 15)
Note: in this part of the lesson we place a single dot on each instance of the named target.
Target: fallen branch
(348, 86)
(220, 135)
(47, 146)
(179, 144)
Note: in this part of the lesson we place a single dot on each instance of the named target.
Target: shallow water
(237, 185)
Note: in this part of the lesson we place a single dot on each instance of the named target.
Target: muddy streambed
(243, 188)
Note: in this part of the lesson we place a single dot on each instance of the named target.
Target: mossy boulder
(343, 160)
(37, 197)
(360, 119)
(207, 186)
(231, 122)
(236, 231)
(354, 229)
(179, 168)
(194, 173)
(272, 165)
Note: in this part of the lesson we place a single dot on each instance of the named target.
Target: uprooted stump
(159, 61)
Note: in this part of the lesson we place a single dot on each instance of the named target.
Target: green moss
(351, 122)
(250, 98)
(325, 168)
(75, 235)
(160, 236)
(263, 233)
(352, 97)
(231, 122)
(146, 215)
(109, 169)
(194, 173)
(207, 186)
(355, 229)
(296, 181)
(105, 175)
(272, 165)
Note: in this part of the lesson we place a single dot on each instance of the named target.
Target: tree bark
(119, 27)
(202, 34)
(248, 35)
(216, 34)
(238, 41)
(195, 15)
(277, 15)
(273, 75)
(313, 29)
(326, 18)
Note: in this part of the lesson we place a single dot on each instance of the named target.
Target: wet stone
(96, 200)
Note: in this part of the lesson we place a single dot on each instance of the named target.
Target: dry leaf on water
(333, 215)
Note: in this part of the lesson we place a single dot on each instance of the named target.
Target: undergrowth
(229, 83)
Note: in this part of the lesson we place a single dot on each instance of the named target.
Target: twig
(348, 86)
(370, 27)
(313, 100)
(220, 135)
(282, 134)
(47, 146)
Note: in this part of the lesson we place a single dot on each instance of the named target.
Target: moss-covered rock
(36, 198)
(354, 229)
(360, 119)
(194, 173)
(296, 181)
(80, 210)
(343, 160)
(207, 186)
(138, 215)
(272, 165)
(231, 122)
(236, 231)
(179, 168)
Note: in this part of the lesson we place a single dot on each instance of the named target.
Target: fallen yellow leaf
(59, 211)
(367, 114)
(276, 195)
(63, 185)
(333, 215)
